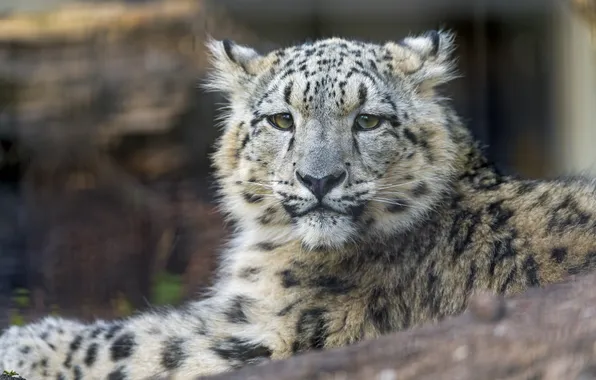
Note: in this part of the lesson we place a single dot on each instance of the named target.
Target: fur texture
(344, 232)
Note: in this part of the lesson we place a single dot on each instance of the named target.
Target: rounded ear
(434, 44)
(233, 65)
(425, 59)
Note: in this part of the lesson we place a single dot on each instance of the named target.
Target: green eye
(283, 121)
(367, 122)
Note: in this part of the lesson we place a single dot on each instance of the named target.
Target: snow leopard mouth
(322, 209)
(318, 208)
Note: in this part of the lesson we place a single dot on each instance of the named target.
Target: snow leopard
(362, 205)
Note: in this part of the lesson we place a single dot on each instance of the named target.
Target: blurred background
(106, 193)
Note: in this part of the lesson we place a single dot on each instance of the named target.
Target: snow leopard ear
(233, 66)
(425, 59)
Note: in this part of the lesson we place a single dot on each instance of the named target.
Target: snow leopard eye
(365, 122)
(283, 121)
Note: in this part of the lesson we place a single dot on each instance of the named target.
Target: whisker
(388, 201)
(262, 181)
(262, 185)
(392, 196)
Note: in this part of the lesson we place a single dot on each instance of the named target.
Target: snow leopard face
(331, 140)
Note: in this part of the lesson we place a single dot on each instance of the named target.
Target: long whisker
(391, 195)
(386, 199)
(391, 202)
(261, 184)
(267, 181)
(260, 181)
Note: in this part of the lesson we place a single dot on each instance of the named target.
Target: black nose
(321, 186)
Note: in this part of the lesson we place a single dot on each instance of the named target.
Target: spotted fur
(401, 224)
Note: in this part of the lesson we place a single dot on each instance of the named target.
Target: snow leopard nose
(321, 186)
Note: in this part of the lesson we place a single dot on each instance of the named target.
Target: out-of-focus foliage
(167, 289)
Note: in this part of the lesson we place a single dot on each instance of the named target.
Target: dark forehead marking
(329, 57)
(265, 97)
(387, 100)
(288, 72)
(327, 66)
(288, 92)
(362, 94)
(341, 48)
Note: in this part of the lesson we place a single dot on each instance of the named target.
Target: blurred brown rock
(206, 233)
(101, 99)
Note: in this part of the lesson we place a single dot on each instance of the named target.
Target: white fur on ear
(432, 44)
(233, 66)
(426, 59)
